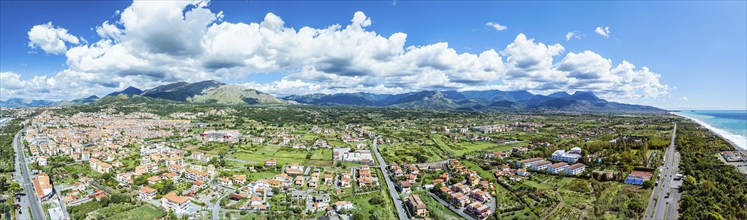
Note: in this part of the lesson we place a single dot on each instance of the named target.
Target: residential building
(557, 167)
(543, 165)
(479, 210)
(43, 187)
(528, 162)
(575, 169)
(416, 206)
(146, 193)
(178, 204)
(561, 155)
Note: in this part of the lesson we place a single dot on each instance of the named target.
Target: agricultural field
(576, 198)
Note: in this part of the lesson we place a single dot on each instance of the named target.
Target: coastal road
(664, 197)
(392, 191)
(32, 199)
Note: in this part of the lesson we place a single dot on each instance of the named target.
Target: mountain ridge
(214, 92)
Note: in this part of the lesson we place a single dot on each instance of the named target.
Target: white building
(543, 165)
(575, 169)
(176, 203)
(561, 155)
(557, 167)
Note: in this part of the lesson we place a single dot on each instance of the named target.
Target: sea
(730, 124)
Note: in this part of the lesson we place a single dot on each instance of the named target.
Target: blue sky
(697, 50)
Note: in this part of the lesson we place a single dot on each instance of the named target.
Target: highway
(31, 199)
(392, 190)
(664, 197)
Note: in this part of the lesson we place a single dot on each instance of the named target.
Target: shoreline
(725, 135)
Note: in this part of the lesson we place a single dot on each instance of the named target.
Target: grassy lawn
(483, 173)
(319, 157)
(142, 212)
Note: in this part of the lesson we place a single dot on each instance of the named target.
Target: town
(227, 164)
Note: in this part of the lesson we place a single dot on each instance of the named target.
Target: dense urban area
(148, 159)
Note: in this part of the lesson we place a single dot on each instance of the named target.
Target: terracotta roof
(172, 197)
(146, 189)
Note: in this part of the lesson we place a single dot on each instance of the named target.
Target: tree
(167, 187)
(648, 184)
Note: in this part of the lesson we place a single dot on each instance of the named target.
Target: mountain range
(215, 92)
(477, 100)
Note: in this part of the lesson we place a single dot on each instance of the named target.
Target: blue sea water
(732, 124)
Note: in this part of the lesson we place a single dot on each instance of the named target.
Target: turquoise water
(731, 124)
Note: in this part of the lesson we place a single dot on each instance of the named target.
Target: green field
(140, 213)
(319, 157)
(573, 198)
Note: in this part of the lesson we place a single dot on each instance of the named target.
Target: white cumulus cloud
(50, 39)
(604, 32)
(153, 43)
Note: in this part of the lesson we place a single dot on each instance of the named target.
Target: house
(344, 205)
(416, 206)
(174, 168)
(480, 195)
(202, 157)
(479, 210)
(123, 178)
(522, 172)
(225, 182)
(178, 204)
(42, 160)
(299, 194)
(43, 187)
(146, 193)
(358, 156)
(175, 160)
(459, 187)
(152, 167)
(404, 186)
(557, 167)
(411, 178)
(153, 180)
(299, 180)
(196, 175)
(459, 199)
(239, 179)
(322, 198)
(294, 169)
(99, 166)
(571, 158)
(270, 163)
(542, 165)
(575, 169)
(140, 170)
(171, 176)
(345, 179)
(328, 179)
(528, 162)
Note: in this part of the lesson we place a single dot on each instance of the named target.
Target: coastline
(730, 138)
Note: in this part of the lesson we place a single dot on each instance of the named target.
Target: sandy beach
(736, 141)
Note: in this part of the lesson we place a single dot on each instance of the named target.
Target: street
(31, 201)
(664, 197)
(392, 190)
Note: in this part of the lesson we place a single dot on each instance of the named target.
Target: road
(664, 197)
(31, 199)
(392, 190)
